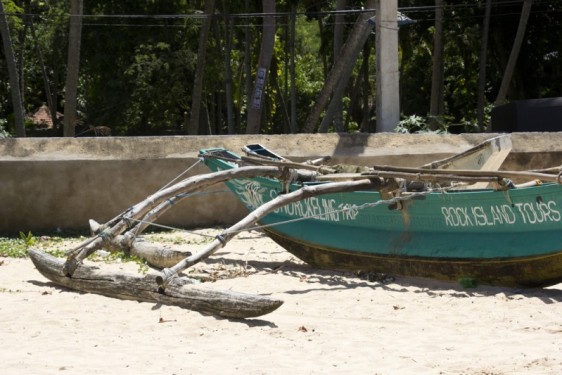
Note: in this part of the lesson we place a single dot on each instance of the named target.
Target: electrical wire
(90, 20)
(256, 15)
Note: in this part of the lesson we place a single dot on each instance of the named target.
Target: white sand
(331, 323)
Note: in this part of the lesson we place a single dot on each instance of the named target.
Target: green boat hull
(508, 238)
(526, 272)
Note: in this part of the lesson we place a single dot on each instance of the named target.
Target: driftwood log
(179, 292)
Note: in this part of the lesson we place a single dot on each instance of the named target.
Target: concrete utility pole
(388, 98)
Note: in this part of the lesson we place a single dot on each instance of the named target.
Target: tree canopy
(138, 63)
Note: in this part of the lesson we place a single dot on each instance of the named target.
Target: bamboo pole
(471, 173)
(421, 176)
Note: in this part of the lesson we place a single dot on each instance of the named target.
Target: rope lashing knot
(105, 236)
(221, 239)
(128, 221)
(162, 280)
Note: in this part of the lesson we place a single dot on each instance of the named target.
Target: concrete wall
(48, 183)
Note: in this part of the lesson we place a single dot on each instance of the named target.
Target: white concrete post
(388, 98)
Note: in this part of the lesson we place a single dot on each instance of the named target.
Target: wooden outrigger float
(122, 233)
(408, 221)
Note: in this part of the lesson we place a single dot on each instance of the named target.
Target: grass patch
(58, 243)
(19, 247)
(12, 247)
(177, 238)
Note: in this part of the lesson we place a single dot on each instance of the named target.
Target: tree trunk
(366, 90)
(338, 43)
(436, 107)
(197, 95)
(282, 103)
(292, 71)
(228, 75)
(46, 84)
(22, 38)
(12, 73)
(74, 38)
(266, 53)
(510, 67)
(481, 101)
(342, 68)
(322, 56)
(248, 37)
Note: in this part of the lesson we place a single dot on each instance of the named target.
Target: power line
(201, 15)
(90, 19)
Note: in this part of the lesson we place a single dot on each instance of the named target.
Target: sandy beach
(330, 323)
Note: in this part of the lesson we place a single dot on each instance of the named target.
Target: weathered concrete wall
(47, 183)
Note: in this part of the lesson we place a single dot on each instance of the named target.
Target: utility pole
(388, 98)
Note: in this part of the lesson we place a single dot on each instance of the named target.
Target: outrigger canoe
(456, 219)
(505, 235)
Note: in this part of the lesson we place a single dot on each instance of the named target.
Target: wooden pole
(260, 212)
(388, 97)
(459, 173)
(122, 222)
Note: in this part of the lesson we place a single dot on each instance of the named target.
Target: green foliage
(418, 124)
(12, 248)
(3, 132)
(152, 75)
(411, 124)
(121, 256)
(11, 8)
(468, 282)
(137, 73)
(179, 240)
(28, 239)
(18, 248)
